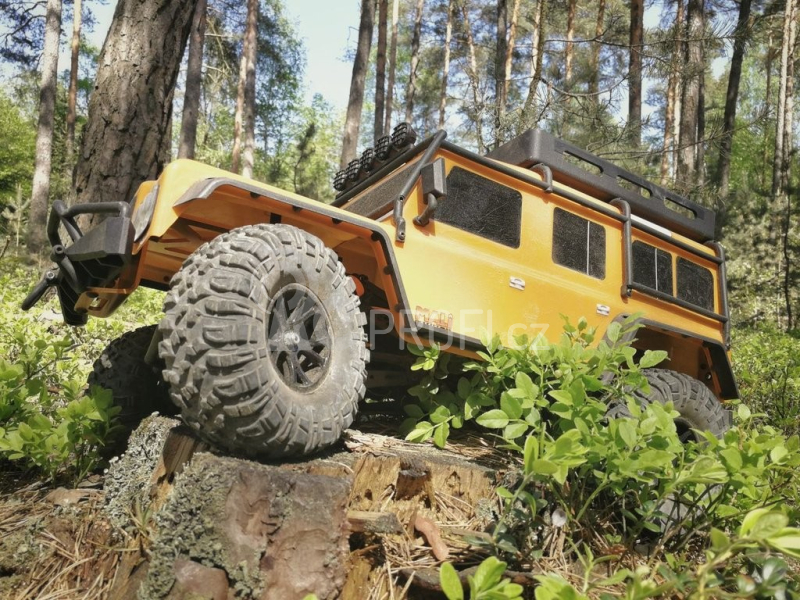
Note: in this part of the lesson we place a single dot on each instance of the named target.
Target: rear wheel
(697, 407)
(137, 387)
(263, 342)
(698, 410)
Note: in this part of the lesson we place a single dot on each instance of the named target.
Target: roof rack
(606, 181)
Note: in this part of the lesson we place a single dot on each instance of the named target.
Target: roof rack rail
(606, 181)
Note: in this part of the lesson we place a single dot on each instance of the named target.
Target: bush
(601, 484)
(767, 367)
(48, 422)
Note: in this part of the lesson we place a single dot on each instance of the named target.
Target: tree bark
(249, 124)
(569, 48)
(411, 90)
(472, 73)
(72, 94)
(594, 70)
(501, 43)
(636, 40)
(355, 103)
(780, 127)
(673, 98)
(130, 109)
(690, 97)
(238, 115)
(40, 192)
(731, 97)
(537, 56)
(509, 57)
(448, 34)
(387, 123)
(380, 70)
(194, 83)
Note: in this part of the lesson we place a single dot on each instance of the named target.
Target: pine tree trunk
(238, 115)
(130, 108)
(509, 58)
(387, 123)
(72, 93)
(44, 133)
(636, 40)
(594, 69)
(194, 83)
(501, 43)
(672, 111)
(537, 54)
(411, 89)
(380, 70)
(569, 48)
(477, 104)
(690, 97)
(780, 128)
(731, 97)
(448, 34)
(355, 102)
(249, 121)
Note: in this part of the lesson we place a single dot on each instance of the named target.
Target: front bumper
(94, 259)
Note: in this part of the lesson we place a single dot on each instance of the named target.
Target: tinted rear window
(579, 244)
(481, 206)
(652, 267)
(695, 284)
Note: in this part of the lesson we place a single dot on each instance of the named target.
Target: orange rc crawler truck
(276, 302)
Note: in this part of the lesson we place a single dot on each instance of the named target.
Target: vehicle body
(441, 243)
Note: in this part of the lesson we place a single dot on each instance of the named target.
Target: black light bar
(386, 148)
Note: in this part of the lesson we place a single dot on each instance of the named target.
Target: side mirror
(434, 186)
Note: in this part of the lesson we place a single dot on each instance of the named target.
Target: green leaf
(562, 396)
(651, 358)
(786, 541)
(493, 419)
(543, 466)
(421, 432)
(488, 574)
(530, 454)
(440, 415)
(510, 406)
(613, 331)
(441, 434)
(743, 412)
(451, 584)
(412, 410)
(718, 539)
(515, 430)
(523, 382)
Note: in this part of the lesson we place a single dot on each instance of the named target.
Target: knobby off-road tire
(697, 406)
(263, 342)
(137, 387)
(698, 409)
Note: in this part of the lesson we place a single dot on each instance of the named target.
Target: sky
(327, 27)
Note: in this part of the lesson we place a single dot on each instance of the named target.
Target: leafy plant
(487, 583)
(591, 479)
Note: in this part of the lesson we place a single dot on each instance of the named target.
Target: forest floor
(59, 542)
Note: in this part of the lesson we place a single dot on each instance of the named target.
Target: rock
(274, 533)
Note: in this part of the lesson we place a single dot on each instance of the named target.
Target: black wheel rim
(299, 336)
(685, 431)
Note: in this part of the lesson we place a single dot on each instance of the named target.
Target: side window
(481, 206)
(579, 244)
(695, 284)
(652, 267)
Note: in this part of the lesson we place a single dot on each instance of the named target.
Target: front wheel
(263, 342)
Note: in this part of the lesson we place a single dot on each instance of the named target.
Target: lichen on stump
(274, 533)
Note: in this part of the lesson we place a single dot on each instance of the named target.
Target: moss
(128, 477)
(188, 526)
